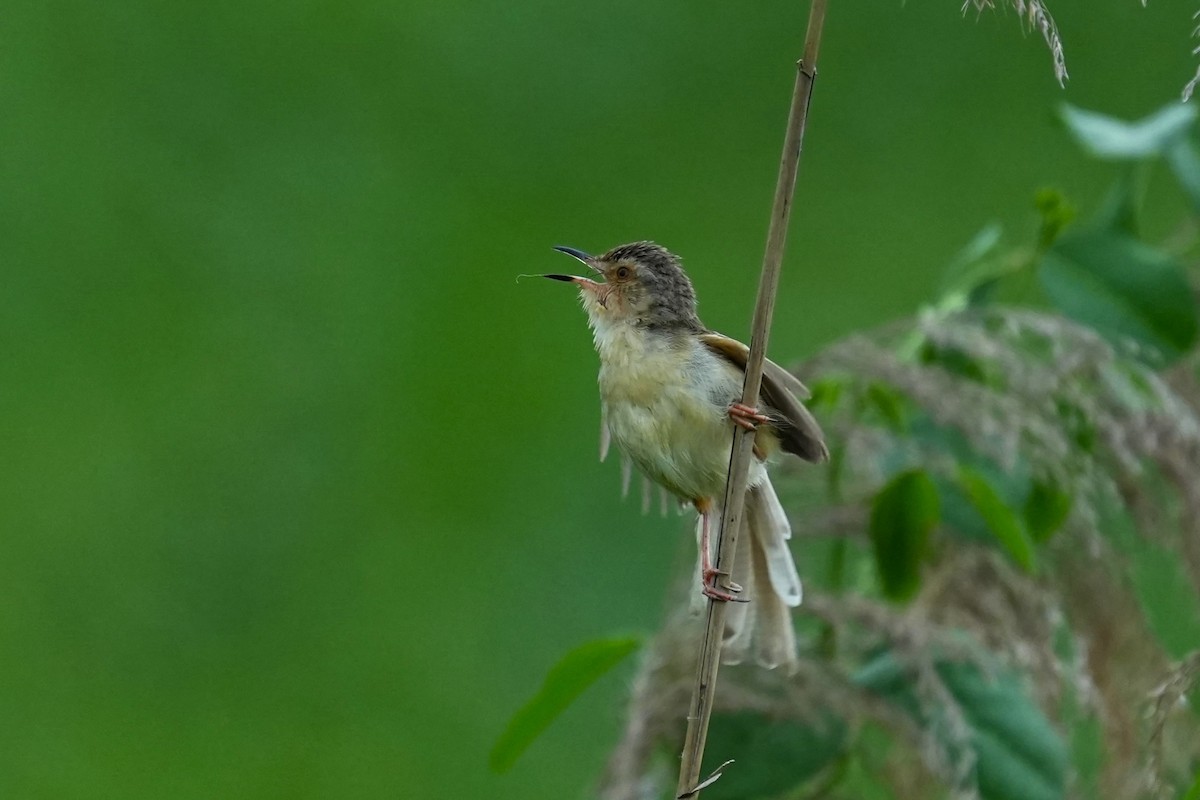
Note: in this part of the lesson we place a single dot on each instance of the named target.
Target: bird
(670, 391)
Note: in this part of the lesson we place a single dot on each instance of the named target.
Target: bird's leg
(746, 416)
(709, 575)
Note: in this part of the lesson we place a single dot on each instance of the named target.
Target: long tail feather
(774, 636)
(770, 529)
(761, 630)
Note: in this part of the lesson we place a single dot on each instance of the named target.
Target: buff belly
(665, 403)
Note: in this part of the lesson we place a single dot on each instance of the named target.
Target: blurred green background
(299, 495)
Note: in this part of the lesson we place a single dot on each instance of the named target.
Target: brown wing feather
(798, 431)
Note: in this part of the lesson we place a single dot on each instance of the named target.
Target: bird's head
(643, 284)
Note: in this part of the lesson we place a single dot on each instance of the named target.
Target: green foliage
(1045, 510)
(903, 516)
(575, 672)
(1194, 792)
(974, 269)
(991, 724)
(771, 755)
(1167, 597)
(1087, 753)
(890, 405)
(1120, 212)
(1125, 290)
(1004, 523)
(858, 782)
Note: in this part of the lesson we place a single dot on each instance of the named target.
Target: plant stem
(700, 710)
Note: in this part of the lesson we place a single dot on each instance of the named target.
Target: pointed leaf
(1168, 598)
(1018, 755)
(960, 272)
(1046, 509)
(973, 269)
(999, 709)
(1118, 212)
(1001, 520)
(903, 515)
(1108, 137)
(1123, 289)
(890, 405)
(576, 671)
(959, 514)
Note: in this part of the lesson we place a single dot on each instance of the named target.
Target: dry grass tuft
(1035, 13)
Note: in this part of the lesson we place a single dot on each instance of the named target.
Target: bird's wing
(798, 431)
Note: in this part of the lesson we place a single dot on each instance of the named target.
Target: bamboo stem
(709, 660)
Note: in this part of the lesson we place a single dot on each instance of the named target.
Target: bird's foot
(710, 588)
(746, 416)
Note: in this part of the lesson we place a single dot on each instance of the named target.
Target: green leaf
(770, 755)
(1056, 212)
(1001, 711)
(890, 405)
(1087, 754)
(826, 392)
(1001, 520)
(1194, 792)
(861, 784)
(1077, 424)
(1046, 509)
(959, 272)
(902, 517)
(1163, 589)
(1123, 289)
(953, 360)
(1118, 213)
(576, 671)
(1018, 754)
(884, 674)
(959, 514)
(1167, 597)
(973, 268)
(1107, 137)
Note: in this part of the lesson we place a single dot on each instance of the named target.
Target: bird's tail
(761, 630)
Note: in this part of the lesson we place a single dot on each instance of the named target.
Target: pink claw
(747, 417)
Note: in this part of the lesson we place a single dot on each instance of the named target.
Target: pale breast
(665, 400)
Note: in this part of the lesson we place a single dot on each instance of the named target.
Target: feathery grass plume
(1165, 698)
(1038, 16)
(1042, 385)
(1040, 399)
(1191, 85)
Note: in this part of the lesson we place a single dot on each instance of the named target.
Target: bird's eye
(623, 273)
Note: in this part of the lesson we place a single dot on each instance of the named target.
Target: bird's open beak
(584, 283)
(571, 251)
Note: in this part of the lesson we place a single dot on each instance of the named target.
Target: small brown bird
(670, 391)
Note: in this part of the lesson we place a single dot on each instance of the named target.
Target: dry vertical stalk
(700, 710)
